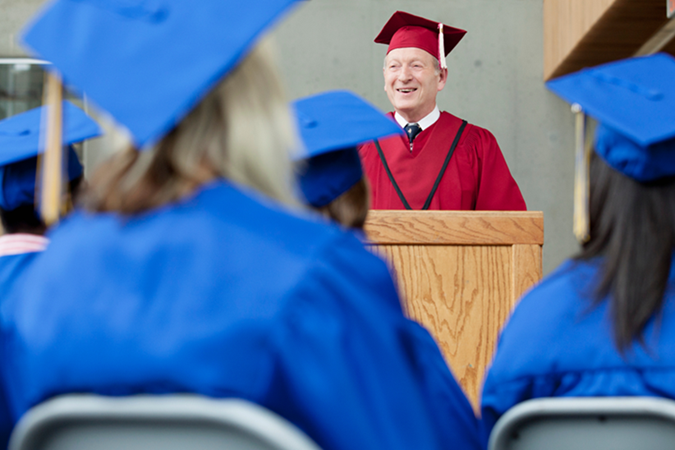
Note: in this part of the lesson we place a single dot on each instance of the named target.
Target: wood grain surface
(566, 22)
(455, 227)
(586, 33)
(461, 293)
(662, 40)
(527, 269)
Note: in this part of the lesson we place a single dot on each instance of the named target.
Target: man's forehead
(409, 54)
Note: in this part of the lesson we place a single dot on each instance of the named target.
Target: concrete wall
(495, 81)
(13, 15)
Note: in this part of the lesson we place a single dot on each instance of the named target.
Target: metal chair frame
(597, 423)
(85, 421)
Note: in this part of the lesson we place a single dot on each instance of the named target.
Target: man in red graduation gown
(442, 162)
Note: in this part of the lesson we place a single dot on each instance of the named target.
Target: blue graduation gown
(225, 295)
(10, 267)
(557, 344)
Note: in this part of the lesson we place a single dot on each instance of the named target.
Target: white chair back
(593, 423)
(146, 422)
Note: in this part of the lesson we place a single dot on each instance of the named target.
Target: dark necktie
(412, 129)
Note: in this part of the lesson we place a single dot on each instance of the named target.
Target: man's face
(412, 81)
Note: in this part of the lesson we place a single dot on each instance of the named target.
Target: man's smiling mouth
(406, 90)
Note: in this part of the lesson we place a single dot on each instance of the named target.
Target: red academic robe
(477, 176)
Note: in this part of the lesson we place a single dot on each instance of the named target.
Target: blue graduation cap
(634, 103)
(20, 145)
(148, 63)
(331, 125)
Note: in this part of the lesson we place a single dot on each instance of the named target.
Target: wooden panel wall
(565, 24)
(661, 41)
(585, 33)
(460, 274)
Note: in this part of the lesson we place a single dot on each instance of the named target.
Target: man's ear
(442, 78)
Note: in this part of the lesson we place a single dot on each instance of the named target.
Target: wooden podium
(460, 273)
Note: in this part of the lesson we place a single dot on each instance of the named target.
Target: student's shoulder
(218, 214)
(223, 228)
(543, 322)
(566, 288)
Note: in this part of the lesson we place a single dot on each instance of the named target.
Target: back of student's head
(241, 131)
(632, 226)
(25, 218)
(18, 190)
(332, 125)
(22, 220)
(21, 143)
(351, 208)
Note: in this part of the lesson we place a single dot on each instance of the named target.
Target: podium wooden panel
(460, 273)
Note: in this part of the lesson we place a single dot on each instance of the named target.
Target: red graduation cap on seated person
(407, 30)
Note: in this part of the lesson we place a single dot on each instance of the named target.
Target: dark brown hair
(633, 229)
(351, 208)
(24, 219)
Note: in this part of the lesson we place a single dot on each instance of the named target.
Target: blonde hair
(242, 130)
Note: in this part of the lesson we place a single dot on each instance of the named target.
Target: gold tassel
(441, 47)
(581, 179)
(52, 161)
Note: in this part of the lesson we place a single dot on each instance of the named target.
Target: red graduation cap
(406, 30)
